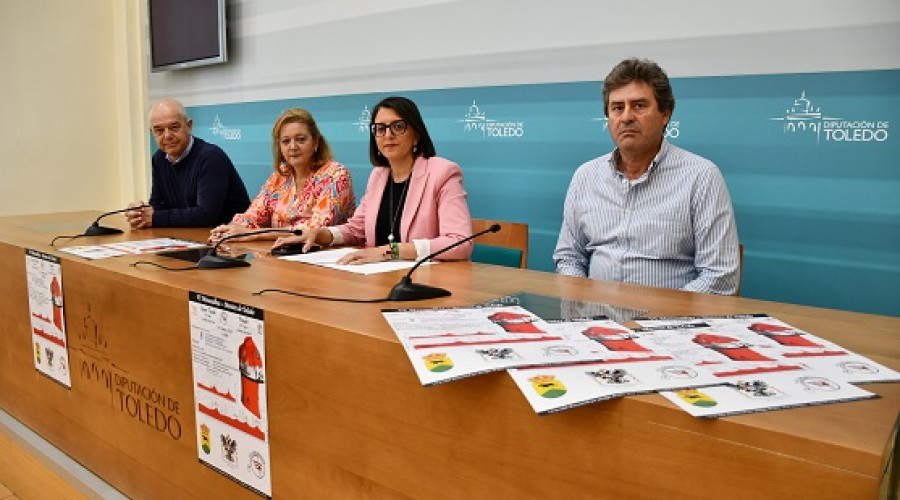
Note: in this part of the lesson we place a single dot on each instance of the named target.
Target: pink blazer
(435, 209)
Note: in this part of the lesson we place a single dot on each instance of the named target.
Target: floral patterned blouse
(326, 199)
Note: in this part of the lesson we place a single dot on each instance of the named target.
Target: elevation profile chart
(229, 368)
(48, 324)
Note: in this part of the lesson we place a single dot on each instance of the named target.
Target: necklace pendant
(390, 237)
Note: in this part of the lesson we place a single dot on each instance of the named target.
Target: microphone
(96, 229)
(407, 290)
(213, 261)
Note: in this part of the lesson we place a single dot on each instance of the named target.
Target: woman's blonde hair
(322, 154)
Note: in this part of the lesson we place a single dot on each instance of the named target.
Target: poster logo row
(802, 117)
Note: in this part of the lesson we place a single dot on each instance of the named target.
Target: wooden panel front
(349, 419)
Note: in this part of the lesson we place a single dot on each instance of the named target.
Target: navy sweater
(202, 190)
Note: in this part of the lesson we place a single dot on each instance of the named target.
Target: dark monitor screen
(186, 33)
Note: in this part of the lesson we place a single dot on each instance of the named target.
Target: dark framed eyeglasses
(398, 127)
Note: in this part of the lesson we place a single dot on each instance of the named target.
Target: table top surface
(849, 435)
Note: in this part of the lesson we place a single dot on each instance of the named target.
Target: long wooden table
(349, 419)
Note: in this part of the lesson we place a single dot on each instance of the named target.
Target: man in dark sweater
(194, 182)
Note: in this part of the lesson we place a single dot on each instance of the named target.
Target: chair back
(740, 268)
(507, 247)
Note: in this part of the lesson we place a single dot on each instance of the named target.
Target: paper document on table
(449, 344)
(769, 391)
(134, 247)
(329, 258)
(764, 338)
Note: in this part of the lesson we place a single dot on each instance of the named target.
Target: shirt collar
(660, 155)
(185, 153)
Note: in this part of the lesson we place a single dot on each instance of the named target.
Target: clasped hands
(139, 218)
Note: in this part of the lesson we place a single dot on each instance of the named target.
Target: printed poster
(48, 327)
(229, 367)
(764, 364)
(630, 365)
(776, 339)
(448, 344)
(756, 362)
(771, 391)
(137, 247)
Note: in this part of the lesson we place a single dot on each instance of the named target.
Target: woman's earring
(415, 148)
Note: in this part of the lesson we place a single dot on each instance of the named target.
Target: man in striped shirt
(648, 212)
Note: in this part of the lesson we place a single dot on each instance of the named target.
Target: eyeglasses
(397, 128)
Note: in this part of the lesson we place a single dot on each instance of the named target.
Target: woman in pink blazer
(414, 202)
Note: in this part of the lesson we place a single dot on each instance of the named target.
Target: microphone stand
(96, 229)
(406, 290)
(213, 261)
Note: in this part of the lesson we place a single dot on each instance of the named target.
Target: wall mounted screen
(186, 34)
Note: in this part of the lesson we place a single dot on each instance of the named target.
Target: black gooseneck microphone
(406, 290)
(213, 261)
(95, 229)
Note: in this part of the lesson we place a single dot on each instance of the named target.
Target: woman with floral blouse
(307, 189)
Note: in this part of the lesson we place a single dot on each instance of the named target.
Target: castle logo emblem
(362, 123)
(229, 134)
(805, 118)
(475, 121)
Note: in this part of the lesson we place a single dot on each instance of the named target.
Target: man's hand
(139, 218)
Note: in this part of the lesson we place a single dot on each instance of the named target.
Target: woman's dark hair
(640, 70)
(409, 112)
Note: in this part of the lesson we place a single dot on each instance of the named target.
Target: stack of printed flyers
(708, 366)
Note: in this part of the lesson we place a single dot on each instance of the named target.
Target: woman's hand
(310, 237)
(224, 231)
(367, 256)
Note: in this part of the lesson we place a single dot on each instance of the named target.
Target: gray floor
(97, 486)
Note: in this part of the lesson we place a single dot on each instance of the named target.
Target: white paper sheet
(328, 258)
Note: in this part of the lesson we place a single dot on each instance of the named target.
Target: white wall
(76, 88)
(299, 48)
(72, 97)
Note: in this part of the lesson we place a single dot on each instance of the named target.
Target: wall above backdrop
(284, 49)
(809, 160)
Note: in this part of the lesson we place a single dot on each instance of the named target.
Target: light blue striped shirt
(673, 227)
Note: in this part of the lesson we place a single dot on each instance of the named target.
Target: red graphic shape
(52, 338)
(224, 395)
(233, 422)
(489, 342)
(251, 366)
(730, 347)
(783, 335)
(41, 317)
(412, 337)
(57, 299)
(810, 354)
(614, 339)
(515, 322)
(758, 369)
